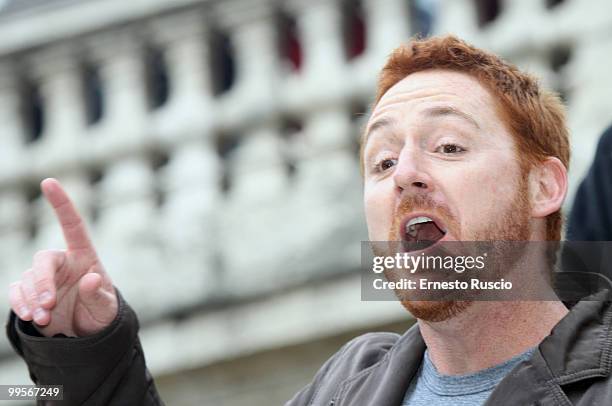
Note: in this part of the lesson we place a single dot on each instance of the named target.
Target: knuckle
(75, 222)
(31, 297)
(41, 284)
(46, 258)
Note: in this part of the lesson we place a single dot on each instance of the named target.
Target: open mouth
(421, 232)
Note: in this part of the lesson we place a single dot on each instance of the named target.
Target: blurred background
(212, 146)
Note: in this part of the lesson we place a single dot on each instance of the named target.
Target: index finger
(73, 227)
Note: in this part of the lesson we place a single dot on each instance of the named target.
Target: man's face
(437, 148)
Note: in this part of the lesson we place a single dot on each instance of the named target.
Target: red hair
(534, 116)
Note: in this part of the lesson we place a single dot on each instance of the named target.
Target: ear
(548, 187)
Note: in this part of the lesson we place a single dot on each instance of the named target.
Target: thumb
(101, 304)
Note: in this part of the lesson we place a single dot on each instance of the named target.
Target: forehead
(429, 89)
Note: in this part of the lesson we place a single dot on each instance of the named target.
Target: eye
(450, 149)
(386, 164)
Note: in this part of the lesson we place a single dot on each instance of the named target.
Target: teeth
(418, 220)
(411, 228)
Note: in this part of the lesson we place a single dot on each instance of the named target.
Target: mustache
(421, 202)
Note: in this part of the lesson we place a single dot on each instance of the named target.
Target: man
(456, 135)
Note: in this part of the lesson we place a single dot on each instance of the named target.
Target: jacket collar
(579, 347)
(584, 337)
(385, 382)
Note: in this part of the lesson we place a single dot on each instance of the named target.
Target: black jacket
(107, 368)
(591, 215)
(572, 366)
(589, 225)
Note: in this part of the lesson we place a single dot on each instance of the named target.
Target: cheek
(378, 203)
(480, 192)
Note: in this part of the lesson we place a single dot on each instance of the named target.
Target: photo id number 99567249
(31, 392)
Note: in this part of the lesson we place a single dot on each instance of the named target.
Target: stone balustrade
(239, 177)
(206, 197)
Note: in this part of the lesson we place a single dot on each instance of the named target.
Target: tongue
(426, 234)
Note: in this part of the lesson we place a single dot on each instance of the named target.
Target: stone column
(254, 219)
(388, 26)
(252, 34)
(128, 226)
(189, 220)
(458, 17)
(12, 137)
(323, 78)
(183, 38)
(14, 219)
(56, 70)
(119, 55)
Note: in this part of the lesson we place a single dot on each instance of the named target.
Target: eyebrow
(377, 125)
(439, 111)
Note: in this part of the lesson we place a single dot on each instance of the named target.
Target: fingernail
(45, 297)
(39, 314)
(24, 311)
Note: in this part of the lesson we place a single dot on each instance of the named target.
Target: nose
(411, 173)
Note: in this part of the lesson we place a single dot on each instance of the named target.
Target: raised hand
(66, 291)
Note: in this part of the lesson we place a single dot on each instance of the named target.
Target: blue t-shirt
(430, 388)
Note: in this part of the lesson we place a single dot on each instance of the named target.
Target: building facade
(212, 148)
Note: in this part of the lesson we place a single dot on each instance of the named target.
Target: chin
(435, 311)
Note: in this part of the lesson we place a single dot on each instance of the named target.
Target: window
(553, 3)
(92, 94)
(487, 11)
(354, 28)
(226, 145)
(290, 48)
(222, 62)
(32, 110)
(157, 81)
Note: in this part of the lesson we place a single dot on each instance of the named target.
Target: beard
(510, 225)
